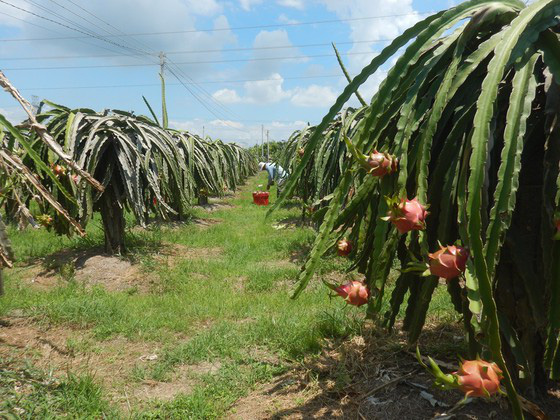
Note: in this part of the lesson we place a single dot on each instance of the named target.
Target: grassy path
(214, 321)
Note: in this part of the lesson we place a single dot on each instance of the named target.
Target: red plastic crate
(260, 198)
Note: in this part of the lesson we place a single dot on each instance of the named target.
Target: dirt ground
(372, 377)
(113, 273)
(368, 377)
(112, 362)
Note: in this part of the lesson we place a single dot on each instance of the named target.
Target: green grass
(224, 305)
(45, 398)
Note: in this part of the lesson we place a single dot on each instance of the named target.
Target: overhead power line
(238, 28)
(326, 76)
(70, 24)
(88, 35)
(214, 106)
(113, 29)
(77, 14)
(197, 91)
(125, 46)
(213, 112)
(223, 50)
(237, 60)
(83, 41)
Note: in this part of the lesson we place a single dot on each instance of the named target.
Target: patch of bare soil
(111, 362)
(66, 349)
(89, 267)
(299, 256)
(171, 254)
(204, 223)
(169, 225)
(278, 264)
(237, 283)
(263, 355)
(153, 390)
(183, 381)
(217, 205)
(200, 369)
(292, 223)
(163, 225)
(371, 377)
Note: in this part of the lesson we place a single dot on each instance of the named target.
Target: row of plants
(453, 173)
(322, 172)
(325, 166)
(16, 176)
(141, 168)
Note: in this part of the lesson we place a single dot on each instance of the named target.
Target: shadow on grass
(293, 222)
(293, 203)
(374, 376)
(81, 249)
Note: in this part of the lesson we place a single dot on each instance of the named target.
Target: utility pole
(161, 62)
(202, 131)
(262, 140)
(267, 146)
(35, 103)
(162, 77)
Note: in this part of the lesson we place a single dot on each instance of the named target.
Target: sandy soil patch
(172, 254)
(217, 205)
(111, 362)
(90, 268)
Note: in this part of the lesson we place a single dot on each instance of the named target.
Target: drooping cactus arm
(41, 130)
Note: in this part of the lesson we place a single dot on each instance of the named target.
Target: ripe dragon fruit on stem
(557, 224)
(449, 262)
(376, 163)
(344, 247)
(476, 378)
(354, 292)
(381, 164)
(406, 215)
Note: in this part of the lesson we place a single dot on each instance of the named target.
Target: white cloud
(395, 16)
(266, 45)
(296, 4)
(14, 114)
(133, 16)
(285, 19)
(227, 96)
(314, 96)
(227, 123)
(204, 8)
(266, 91)
(248, 4)
(238, 132)
(280, 124)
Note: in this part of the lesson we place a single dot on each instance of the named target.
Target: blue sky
(265, 65)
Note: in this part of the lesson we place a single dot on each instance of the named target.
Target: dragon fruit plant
(469, 111)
